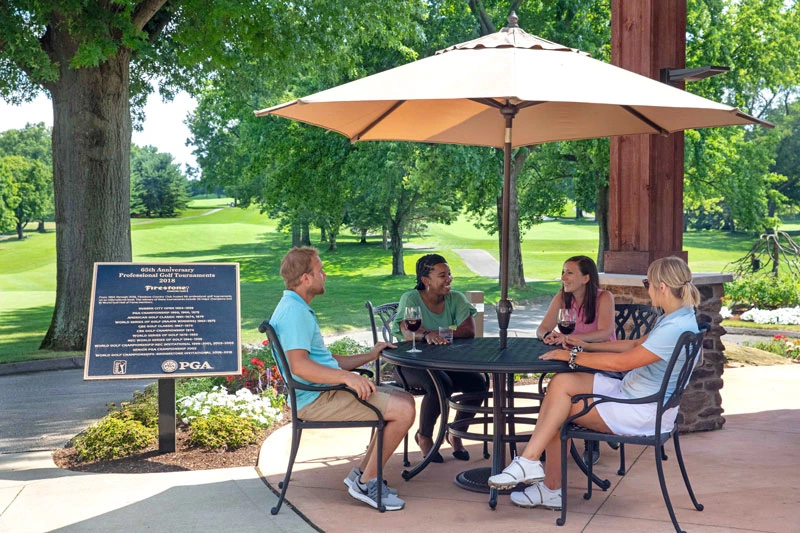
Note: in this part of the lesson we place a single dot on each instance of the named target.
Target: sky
(164, 125)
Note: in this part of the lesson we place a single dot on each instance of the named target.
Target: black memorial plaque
(151, 320)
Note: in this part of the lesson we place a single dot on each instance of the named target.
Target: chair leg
(621, 470)
(486, 430)
(563, 519)
(406, 462)
(379, 463)
(679, 455)
(283, 485)
(661, 481)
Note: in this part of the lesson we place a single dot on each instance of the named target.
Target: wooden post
(476, 299)
(646, 171)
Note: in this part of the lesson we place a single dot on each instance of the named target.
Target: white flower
(786, 315)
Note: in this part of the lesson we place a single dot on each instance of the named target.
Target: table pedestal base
(477, 480)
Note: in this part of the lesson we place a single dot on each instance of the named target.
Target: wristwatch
(572, 354)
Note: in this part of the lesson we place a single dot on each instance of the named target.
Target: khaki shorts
(343, 406)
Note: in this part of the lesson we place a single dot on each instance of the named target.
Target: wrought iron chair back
(383, 316)
(681, 364)
(642, 318)
(298, 424)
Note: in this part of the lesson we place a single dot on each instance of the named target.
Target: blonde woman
(669, 285)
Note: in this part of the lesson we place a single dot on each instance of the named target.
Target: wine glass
(413, 320)
(566, 321)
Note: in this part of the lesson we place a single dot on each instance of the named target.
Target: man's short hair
(295, 263)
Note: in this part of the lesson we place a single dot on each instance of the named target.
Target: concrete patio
(745, 474)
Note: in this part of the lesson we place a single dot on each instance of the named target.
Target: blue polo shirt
(297, 328)
(661, 340)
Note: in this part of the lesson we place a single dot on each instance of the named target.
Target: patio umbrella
(506, 90)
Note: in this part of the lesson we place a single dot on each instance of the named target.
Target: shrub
(261, 410)
(780, 345)
(111, 438)
(190, 386)
(348, 346)
(259, 372)
(763, 290)
(143, 408)
(223, 430)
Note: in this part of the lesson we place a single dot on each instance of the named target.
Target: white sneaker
(355, 474)
(538, 495)
(519, 471)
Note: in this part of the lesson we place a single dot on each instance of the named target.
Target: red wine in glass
(413, 321)
(413, 324)
(566, 327)
(566, 321)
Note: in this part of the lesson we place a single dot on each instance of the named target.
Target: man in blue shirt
(311, 362)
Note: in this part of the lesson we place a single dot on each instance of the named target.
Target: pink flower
(256, 361)
(779, 337)
(265, 342)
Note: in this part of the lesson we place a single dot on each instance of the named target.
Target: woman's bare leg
(556, 408)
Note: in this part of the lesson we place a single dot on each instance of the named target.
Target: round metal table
(521, 355)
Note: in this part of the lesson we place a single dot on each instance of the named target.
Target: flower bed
(786, 315)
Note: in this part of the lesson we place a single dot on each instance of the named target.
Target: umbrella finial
(513, 19)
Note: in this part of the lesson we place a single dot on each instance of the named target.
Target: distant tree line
(158, 187)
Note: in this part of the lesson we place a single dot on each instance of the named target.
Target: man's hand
(364, 387)
(376, 350)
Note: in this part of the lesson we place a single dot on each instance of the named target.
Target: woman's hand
(556, 355)
(433, 337)
(553, 338)
(571, 342)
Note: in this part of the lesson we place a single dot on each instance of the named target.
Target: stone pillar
(701, 405)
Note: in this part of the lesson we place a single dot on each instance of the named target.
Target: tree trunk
(20, 228)
(40, 228)
(91, 179)
(323, 235)
(602, 225)
(385, 237)
(332, 241)
(363, 236)
(397, 249)
(578, 213)
(296, 241)
(305, 237)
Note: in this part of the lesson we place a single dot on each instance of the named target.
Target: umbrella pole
(504, 307)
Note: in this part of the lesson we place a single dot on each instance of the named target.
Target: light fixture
(673, 75)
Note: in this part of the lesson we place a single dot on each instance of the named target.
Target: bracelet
(573, 353)
(425, 333)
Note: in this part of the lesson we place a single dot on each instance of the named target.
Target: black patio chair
(299, 424)
(382, 316)
(681, 364)
(631, 321)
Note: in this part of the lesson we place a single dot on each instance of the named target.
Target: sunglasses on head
(646, 283)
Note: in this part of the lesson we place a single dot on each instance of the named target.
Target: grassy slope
(211, 231)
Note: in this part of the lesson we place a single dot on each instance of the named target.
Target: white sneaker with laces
(520, 470)
(538, 495)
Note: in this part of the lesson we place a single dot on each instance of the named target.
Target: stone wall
(701, 405)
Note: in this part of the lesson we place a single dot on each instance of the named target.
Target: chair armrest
(325, 388)
(364, 372)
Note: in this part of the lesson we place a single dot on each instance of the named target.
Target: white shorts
(627, 419)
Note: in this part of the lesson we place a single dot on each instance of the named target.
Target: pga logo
(169, 366)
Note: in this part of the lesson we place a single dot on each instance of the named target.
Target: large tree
(95, 58)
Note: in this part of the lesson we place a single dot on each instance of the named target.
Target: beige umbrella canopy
(505, 90)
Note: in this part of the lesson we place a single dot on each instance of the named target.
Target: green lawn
(209, 230)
